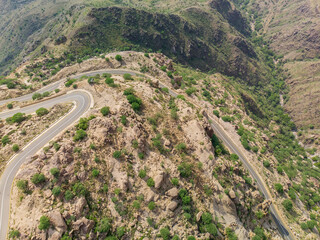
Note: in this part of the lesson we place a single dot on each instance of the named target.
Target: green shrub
(136, 204)
(16, 118)
(227, 119)
(80, 134)
(279, 169)
(95, 173)
(83, 124)
(42, 111)
(44, 223)
(304, 226)
(23, 185)
(279, 187)
(127, 76)
(216, 112)
(105, 111)
(259, 214)
(231, 234)
(56, 191)
(68, 195)
(185, 169)
(151, 206)
(79, 189)
(234, 157)
(163, 68)
(55, 172)
(150, 182)
(117, 154)
(175, 181)
(181, 147)
(118, 58)
(36, 96)
(104, 225)
(14, 234)
(292, 194)
(121, 231)
(266, 163)
(141, 155)
(123, 120)
(5, 140)
(142, 173)
(45, 94)
(56, 146)
(191, 238)
(287, 204)
(165, 233)
(10, 106)
(38, 178)
(15, 147)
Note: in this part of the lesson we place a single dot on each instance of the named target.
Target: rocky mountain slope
(142, 173)
(292, 31)
(132, 173)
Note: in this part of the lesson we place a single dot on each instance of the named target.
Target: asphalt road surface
(82, 104)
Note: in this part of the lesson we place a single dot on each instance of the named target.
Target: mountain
(143, 162)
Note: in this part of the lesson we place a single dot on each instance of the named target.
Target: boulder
(79, 206)
(83, 225)
(173, 192)
(57, 221)
(158, 180)
(198, 216)
(232, 194)
(172, 205)
(149, 196)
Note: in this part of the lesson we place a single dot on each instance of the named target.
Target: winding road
(83, 101)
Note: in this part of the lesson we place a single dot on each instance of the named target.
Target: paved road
(83, 102)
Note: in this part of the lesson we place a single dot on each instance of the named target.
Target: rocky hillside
(132, 172)
(136, 170)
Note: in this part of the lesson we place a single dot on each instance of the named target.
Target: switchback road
(83, 101)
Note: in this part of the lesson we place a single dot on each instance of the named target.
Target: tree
(95, 172)
(38, 178)
(23, 185)
(42, 111)
(117, 154)
(151, 205)
(150, 182)
(279, 187)
(15, 147)
(5, 140)
(287, 204)
(44, 223)
(80, 134)
(16, 118)
(36, 96)
(165, 233)
(56, 191)
(142, 173)
(55, 172)
(118, 58)
(104, 225)
(14, 234)
(10, 106)
(105, 111)
(68, 195)
(127, 76)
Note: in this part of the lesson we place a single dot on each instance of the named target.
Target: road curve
(83, 102)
